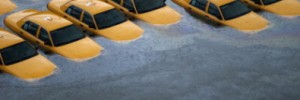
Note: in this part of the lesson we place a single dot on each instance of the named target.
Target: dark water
(191, 60)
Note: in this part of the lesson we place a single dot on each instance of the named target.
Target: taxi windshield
(268, 2)
(234, 10)
(144, 6)
(66, 35)
(17, 53)
(109, 18)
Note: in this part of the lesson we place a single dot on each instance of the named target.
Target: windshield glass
(109, 18)
(66, 35)
(17, 53)
(143, 6)
(234, 9)
(267, 2)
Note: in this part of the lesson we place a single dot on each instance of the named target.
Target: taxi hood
(33, 68)
(122, 32)
(248, 22)
(284, 7)
(84, 48)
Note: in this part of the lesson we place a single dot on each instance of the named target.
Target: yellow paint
(84, 48)
(6, 6)
(250, 21)
(247, 22)
(283, 7)
(164, 15)
(32, 68)
(121, 32)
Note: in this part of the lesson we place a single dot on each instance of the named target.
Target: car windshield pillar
(215, 11)
(89, 20)
(129, 5)
(1, 60)
(44, 35)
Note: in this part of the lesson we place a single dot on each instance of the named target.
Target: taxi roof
(7, 39)
(92, 6)
(221, 2)
(48, 20)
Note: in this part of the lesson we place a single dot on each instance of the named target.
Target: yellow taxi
(6, 6)
(53, 33)
(232, 13)
(97, 17)
(280, 7)
(20, 59)
(151, 11)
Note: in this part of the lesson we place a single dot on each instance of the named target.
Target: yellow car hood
(82, 49)
(164, 15)
(6, 6)
(32, 68)
(122, 32)
(248, 22)
(284, 7)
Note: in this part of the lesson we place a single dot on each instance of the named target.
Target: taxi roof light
(90, 3)
(48, 18)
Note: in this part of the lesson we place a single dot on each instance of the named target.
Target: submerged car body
(151, 11)
(228, 12)
(20, 59)
(280, 7)
(53, 33)
(6, 6)
(97, 17)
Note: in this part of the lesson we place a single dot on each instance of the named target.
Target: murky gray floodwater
(191, 60)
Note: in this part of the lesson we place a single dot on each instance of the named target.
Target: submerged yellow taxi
(53, 33)
(20, 59)
(6, 6)
(280, 7)
(228, 12)
(151, 11)
(97, 17)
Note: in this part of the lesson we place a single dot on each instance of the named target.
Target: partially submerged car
(280, 7)
(97, 17)
(151, 11)
(228, 12)
(6, 6)
(53, 33)
(19, 58)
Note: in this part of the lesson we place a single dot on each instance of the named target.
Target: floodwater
(194, 59)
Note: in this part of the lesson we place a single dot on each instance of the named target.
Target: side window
(257, 2)
(213, 10)
(74, 11)
(30, 27)
(117, 1)
(201, 4)
(88, 19)
(44, 36)
(128, 4)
